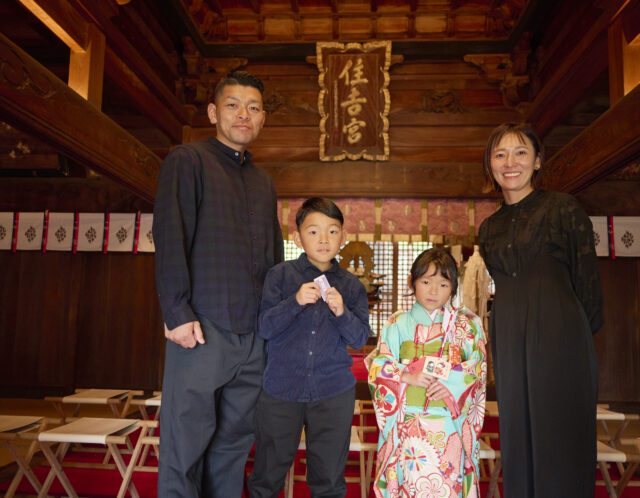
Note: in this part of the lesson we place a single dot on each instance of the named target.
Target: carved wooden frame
(381, 152)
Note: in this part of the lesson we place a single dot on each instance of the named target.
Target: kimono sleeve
(385, 374)
(467, 380)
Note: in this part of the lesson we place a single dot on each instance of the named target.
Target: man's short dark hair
(239, 78)
(318, 205)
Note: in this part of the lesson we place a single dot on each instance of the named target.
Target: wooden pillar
(86, 67)
(85, 40)
(624, 52)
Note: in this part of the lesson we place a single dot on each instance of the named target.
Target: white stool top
(87, 430)
(95, 396)
(14, 423)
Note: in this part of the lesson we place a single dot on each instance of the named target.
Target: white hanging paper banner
(145, 236)
(60, 232)
(30, 226)
(600, 235)
(6, 231)
(90, 231)
(626, 236)
(121, 232)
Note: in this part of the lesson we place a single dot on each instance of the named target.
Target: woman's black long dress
(547, 304)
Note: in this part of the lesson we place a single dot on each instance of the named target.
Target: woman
(539, 250)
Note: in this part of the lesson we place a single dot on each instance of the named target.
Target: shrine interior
(95, 93)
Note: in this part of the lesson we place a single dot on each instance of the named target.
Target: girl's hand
(437, 391)
(419, 379)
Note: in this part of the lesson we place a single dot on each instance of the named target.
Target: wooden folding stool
(108, 431)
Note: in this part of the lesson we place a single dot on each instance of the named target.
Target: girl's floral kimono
(432, 450)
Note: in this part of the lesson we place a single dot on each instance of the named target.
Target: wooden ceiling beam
(624, 52)
(143, 98)
(121, 46)
(571, 80)
(61, 18)
(37, 102)
(86, 42)
(611, 141)
(376, 179)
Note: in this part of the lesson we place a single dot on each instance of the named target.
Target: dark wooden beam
(376, 179)
(554, 103)
(144, 99)
(570, 81)
(118, 42)
(63, 19)
(255, 6)
(611, 141)
(37, 102)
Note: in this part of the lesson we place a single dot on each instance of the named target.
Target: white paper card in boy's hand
(323, 283)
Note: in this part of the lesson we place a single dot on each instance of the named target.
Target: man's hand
(187, 335)
(334, 300)
(308, 293)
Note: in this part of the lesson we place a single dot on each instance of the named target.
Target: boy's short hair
(239, 78)
(443, 262)
(318, 205)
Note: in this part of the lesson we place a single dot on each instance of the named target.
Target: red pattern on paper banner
(16, 224)
(401, 216)
(448, 217)
(105, 242)
(611, 239)
(76, 226)
(46, 231)
(294, 205)
(137, 234)
(359, 214)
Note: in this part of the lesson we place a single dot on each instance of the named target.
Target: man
(216, 234)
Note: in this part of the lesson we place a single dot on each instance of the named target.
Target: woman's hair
(443, 263)
(521, 130)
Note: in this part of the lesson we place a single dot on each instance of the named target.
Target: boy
(307, 380)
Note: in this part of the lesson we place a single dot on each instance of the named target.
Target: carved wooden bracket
(499, 68)
(198, 86)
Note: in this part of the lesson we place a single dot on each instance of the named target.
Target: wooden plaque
(354, 100)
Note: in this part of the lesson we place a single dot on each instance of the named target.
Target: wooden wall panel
(36, 334)
(83, 320)
(125, 346)
(618, 342)
(93, 320)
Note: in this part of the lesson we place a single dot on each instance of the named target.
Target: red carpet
(103, 483)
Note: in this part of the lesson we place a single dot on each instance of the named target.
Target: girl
(428, 386)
